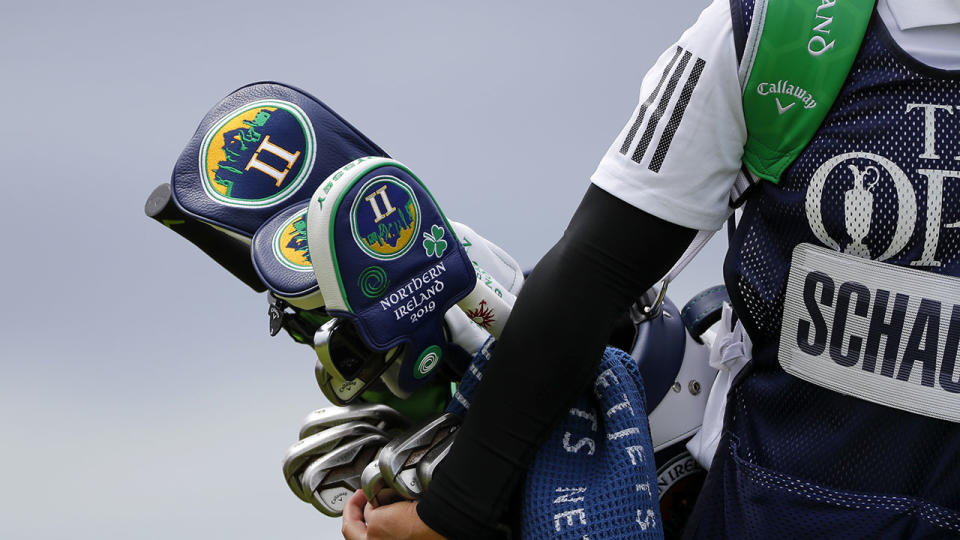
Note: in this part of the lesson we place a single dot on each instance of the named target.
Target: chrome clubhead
(350, 365)
(318, 444)
(377, 414)
(335, 389)
(400, 457)
(433, 457)
(330, 480)
(374, 487)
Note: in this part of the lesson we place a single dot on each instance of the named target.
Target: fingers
(354, 527)
(397, 521)
(367, 510)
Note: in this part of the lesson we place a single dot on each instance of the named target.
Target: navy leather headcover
(282, 259)
(262, 148)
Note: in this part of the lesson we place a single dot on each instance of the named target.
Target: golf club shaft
(229, 252)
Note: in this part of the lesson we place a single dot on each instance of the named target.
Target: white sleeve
(679, 154)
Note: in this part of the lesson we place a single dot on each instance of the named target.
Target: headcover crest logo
(385, 218)
(290, 243)
(257, 155)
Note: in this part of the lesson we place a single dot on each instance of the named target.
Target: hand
(398, 521)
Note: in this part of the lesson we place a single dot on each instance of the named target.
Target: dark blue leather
(659, 349)
(289, 134)
(280, 254)
(704, 309)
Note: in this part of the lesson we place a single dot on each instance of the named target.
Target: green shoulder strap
(796, 59)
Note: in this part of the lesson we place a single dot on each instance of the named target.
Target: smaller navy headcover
(282, 259)
(387, 258)
(262, 148)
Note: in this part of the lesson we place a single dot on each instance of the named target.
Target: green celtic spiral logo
(373, 281)
(428, 360)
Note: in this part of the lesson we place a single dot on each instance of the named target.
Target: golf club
(318, 444)
(382, 416)
(433, 457)
(400, 457)
(374, 487)
(330, 480)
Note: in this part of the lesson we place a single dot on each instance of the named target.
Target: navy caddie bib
(844, 274)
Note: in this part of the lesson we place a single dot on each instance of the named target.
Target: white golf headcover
(490, 257)
(359, 250)
(504, 270)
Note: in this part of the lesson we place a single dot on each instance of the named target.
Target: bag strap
(796, 58)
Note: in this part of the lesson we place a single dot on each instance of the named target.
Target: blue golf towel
(594, 477)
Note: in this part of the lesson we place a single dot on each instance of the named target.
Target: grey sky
(140, 394)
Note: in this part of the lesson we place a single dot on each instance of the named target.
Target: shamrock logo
(432, 242)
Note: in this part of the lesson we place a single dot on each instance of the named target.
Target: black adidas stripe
(661, 107)
(643, 108)
(671, 129)
(676, 116)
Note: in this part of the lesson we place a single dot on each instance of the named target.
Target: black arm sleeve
(609, 255)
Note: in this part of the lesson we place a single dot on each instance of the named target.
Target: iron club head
(400, 457)
(433, 457)
(376, 490)
(318, 444)
(330, 480)
(349, 364)
(337, 390)
(377, 414)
